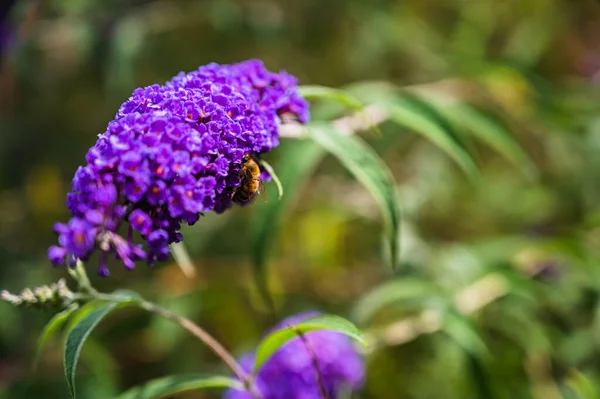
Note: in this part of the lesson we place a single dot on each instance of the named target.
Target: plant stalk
(315, 362)
(80, 275)
(209, 341)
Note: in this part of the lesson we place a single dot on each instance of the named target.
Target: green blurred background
(498, 294)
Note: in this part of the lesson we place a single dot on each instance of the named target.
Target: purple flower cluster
(290, 373)
(173, 152)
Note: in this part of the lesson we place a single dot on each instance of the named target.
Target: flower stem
(79, 274)
(209, 341)
(90, 292)
(315, 362)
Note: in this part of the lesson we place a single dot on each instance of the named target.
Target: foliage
(465, 132)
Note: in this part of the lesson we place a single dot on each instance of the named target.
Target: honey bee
(251, 181)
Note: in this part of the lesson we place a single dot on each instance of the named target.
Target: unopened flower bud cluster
(55, 296)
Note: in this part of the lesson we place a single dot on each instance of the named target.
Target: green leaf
(176, 384)
(419, 116)
(491, 131)
(273, 175)
(52, 327)
(277, 339)
(404, 291)
(366, 166)
(299, 159)
(481, 381)
(464, 334)
(581, 385)
(88, 317)
(328, 93)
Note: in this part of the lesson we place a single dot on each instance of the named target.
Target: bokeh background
(498, 294)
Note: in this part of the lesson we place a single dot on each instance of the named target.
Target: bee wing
(262, 189)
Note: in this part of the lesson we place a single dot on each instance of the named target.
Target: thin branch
(315, 362)
(90, 293)
(371, 116)
(80, 275)
(208, 340)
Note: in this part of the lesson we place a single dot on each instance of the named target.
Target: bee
(251, 182)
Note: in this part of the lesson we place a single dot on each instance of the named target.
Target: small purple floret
(140, 221)
(57, 255)
(172, 152)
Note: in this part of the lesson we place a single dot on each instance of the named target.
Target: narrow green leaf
(55, 323)
(277, 339)
(481, 381)
(273, 175)
(436, 127)
(405, 291)
(581, 385)
(464, 334)
(176, 384)
(328, 93)
(88, 317)
(299, 159)
(419, 116)
(491, 131)
(366, 166)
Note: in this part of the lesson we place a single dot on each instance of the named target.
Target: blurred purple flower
(6, 31)
(171, 153)
(289, 373)
(5, 39)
